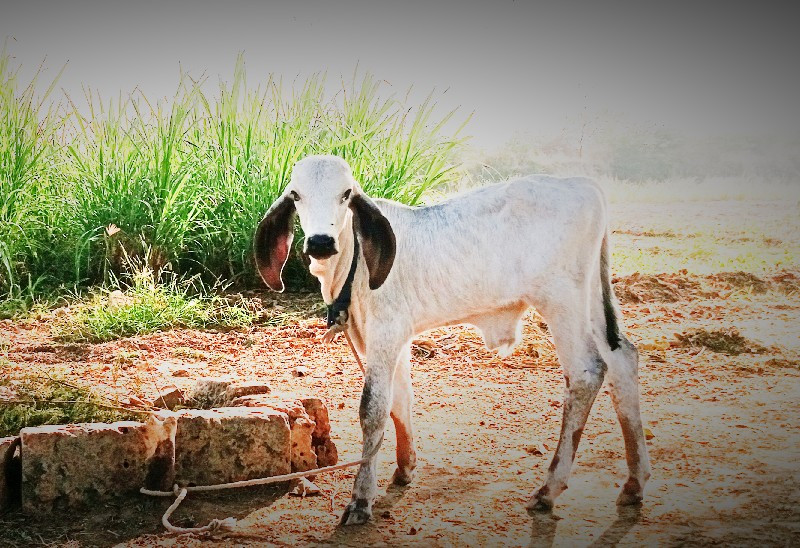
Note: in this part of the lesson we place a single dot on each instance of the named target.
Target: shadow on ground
(121, 520)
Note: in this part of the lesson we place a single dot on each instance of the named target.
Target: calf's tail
(610, 311)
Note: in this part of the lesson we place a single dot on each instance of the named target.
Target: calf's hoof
(631, 493)
(357, 512)
(540, 502)
(402, 477)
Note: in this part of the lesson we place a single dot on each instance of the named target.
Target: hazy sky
(521, 66)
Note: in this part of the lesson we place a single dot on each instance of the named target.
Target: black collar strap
(337, 311)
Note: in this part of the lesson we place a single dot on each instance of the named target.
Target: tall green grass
(181, 184)
(28, 158)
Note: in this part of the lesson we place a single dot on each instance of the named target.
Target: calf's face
(323, 194)
(321, 191)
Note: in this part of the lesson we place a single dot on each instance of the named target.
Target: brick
(248, 388)
(211, 392)
(327, 454)
(318, 412)
(66, 466)
(10, 473)
(310, 428)
(229, 444)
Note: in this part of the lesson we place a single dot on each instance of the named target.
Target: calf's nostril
(320, 246)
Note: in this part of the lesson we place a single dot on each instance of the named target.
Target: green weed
(147, 307)
(42, 400)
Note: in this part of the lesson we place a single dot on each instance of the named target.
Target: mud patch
(668, 288)
(723, 341)
(741, 280)
(787, 282)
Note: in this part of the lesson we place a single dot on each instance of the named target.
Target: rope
(353, 350)
(230, 524)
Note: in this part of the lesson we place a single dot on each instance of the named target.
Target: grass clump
(35, 401)
(147, 307)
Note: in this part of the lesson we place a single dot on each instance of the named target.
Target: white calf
(481, 258)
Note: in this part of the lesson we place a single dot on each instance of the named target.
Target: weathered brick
(327, 454)
(309, 424)
(81, 464)
(321, 441)
(247, 388)
(318, 412)
(229, 444)
(10, 474)
(211, 392)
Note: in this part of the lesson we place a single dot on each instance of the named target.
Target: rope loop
(230, 524)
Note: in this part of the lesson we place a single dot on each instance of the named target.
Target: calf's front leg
(403, 396)
(376, 401)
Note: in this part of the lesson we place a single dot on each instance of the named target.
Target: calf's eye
(346, 195)
(294, 196)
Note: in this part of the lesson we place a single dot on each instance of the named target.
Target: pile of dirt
(788, 282)
(668, 288)
(740, 280)
(723, 341)
(681, 286)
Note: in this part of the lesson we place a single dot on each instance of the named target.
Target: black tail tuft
(612, 327)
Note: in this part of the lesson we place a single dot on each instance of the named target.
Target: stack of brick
(81, 465)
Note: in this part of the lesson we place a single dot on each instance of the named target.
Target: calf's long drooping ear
(273, 240)
(377, 238)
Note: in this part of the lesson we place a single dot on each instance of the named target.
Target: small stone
(304, 488)
(300, 371)
(180, 373)
(118, 299)
(169, 398)
(208, 393)
(10, 473)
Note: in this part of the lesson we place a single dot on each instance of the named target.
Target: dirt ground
(723, 422)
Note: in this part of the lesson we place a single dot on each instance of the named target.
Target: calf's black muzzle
(321, 246)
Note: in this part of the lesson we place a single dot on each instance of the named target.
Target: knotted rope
(231, 524)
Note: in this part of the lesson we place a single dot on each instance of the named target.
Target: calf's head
(323, 194)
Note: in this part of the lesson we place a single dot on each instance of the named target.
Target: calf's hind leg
(623, 385)
(583, 375)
